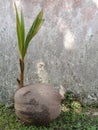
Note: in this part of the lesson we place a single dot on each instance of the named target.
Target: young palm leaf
(20, 32)
(24, 43)
(34, 29)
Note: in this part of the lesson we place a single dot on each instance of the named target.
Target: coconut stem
(21, 80)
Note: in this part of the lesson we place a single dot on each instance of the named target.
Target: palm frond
(22, 33)
(34, 29)
(18, 29)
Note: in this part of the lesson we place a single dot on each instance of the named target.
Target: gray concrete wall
(65, 51)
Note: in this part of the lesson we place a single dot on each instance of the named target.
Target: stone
(37, 104)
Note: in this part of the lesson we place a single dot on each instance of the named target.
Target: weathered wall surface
(65, 51)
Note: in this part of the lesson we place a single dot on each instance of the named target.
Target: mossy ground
(68, 120)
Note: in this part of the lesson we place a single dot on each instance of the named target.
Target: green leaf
(34, 29)
(22, 33)
(18, 28)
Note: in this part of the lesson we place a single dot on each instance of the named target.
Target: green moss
(68, 120)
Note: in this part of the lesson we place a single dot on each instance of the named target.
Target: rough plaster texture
(65, 51)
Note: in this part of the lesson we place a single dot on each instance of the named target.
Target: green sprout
(23, 41)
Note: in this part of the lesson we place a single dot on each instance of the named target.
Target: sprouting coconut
(37, 104)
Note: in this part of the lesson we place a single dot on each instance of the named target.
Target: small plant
(71, 102)
(23, 40)
(26, 98)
